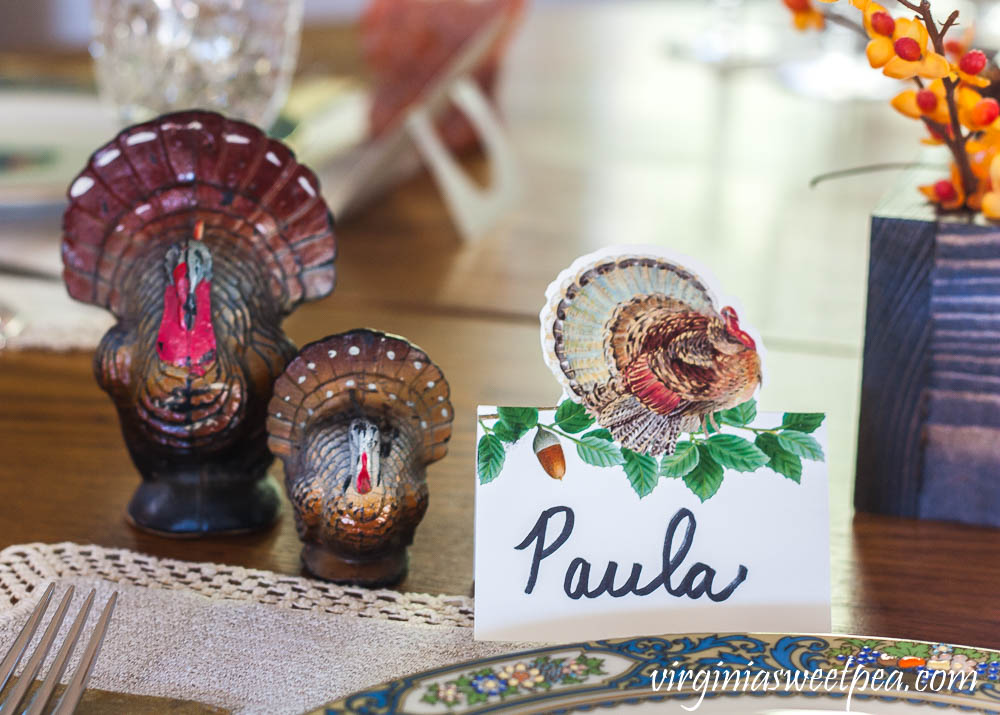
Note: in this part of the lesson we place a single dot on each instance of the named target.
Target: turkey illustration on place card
(654, 498)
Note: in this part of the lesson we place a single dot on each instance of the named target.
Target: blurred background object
(618, 140)
(156, 56)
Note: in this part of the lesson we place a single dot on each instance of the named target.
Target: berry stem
(955, 140)
(847, 22)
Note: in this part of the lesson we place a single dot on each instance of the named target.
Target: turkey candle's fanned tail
(155, 181)
(361, 371)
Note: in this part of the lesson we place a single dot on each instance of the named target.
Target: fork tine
(34, 663)
(62, 659)
(16, 651)
(77, 684)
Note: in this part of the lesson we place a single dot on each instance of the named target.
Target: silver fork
(78, 682)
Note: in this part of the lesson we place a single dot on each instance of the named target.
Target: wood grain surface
(618, 142)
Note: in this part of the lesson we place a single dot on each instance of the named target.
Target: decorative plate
(738, 673)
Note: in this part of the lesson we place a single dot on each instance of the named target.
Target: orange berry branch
(947, 97)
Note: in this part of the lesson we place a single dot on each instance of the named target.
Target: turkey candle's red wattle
(186, 340)
(364, 482)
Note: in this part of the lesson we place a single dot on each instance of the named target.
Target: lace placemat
(241, 639)
(24, 567)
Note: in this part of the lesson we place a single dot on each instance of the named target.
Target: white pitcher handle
(473, 209)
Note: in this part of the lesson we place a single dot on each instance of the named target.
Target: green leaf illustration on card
(735, 452)
(802, 421)
(599, 452)
(507, 433)
(781, 460)
(736, 443)
(740, 415)
(641, 471)
(490, 458)
(706, 478)
(801, 444)
(572, 417)
(526, 417)
(681, 462)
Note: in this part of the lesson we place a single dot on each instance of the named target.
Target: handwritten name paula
(697, 581)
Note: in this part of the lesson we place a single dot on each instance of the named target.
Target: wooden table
(618, 143)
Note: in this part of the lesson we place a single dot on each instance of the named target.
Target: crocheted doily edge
(24, 567)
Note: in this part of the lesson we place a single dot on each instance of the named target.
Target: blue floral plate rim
(583, 676)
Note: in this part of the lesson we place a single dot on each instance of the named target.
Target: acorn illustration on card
(658, 375)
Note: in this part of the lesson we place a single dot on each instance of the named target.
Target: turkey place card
(654, 498)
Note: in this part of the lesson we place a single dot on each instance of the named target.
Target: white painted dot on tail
(423, 423)
(142, 209)
(194, 125)
(237, 139)
(392, 396)
(81, 186)
(391, 355)
(409, 403)
(444, 413)
(307, 187)
(430, 384)
(288, 398)
(417, 364)
(310, 411)
(440, 398)
(140, 138)
(371, 385)
(311, 366)
(350, 383)
(354, 350)
(278, 415)
(329, 393)
(302, 378)
(273, 158)
(331, 353)
(107, 157)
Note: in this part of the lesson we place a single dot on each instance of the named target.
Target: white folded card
(585, 557)
(654, 499)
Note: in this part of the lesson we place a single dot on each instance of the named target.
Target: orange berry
(910, 661)
(908, 49)
(972, 62)
(945, 190)
(927, 100)
(883, 23)
(797, 5)
(985, 112)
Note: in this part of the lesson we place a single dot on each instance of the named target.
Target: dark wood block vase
(929, 433)
(200, 234)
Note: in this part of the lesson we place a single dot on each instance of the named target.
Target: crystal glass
(236, 56)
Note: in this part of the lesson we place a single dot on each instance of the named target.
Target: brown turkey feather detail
(356, 418)
(200, 234)
(674, 366)
(160, 177)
